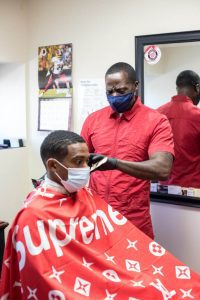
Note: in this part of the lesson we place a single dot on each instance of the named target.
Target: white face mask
(77, 178)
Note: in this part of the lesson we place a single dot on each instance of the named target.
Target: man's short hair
(122, 66)
(55, 145)
(187, 78)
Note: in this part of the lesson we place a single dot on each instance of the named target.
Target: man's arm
(158, 166)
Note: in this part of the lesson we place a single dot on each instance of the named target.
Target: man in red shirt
(139, 139)
(184, 117)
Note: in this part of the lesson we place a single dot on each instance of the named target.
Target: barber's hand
(109, 164)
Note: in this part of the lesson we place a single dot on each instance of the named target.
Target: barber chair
(3, 225)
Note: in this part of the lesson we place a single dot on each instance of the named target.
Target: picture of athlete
(58, 71)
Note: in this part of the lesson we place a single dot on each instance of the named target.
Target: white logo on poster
(132, 265)
(56, 295)
(82, 286)
(111, 275)
(152, 54)
(182, 272)
(156, 249)
(43, 52)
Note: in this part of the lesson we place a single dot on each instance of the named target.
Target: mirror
(175, 52)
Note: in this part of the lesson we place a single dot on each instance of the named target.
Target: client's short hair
(187, 78)
(56, 144)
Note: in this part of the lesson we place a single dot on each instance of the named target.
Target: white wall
(177, 229)
(12, 100)
(13, 16)
(13, 46)
(14, 183)
(13, 49)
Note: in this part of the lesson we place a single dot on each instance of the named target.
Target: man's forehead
(118, 77)
(77, 149)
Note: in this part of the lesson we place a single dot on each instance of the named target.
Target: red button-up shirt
(133, 136)
(184, 118)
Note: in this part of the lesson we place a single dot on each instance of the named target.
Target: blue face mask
(120, 103)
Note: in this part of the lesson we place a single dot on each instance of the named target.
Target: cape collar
(56, 186)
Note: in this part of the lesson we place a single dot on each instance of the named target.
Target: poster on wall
(55, 71)
(91, 97)
(54, 114)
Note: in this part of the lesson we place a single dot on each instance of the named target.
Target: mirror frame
(153, 39)
(156, 39)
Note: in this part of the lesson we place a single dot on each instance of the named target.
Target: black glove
(109, 164)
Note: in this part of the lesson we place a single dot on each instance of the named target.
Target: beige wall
(102, 33)
(14, 179)
(13, 28)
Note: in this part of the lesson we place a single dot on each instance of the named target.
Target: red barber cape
(62, 248)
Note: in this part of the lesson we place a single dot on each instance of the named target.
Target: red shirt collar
(181, 98)
(128, 115)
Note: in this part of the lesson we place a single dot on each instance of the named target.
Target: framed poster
(55, 71)
(54, 114)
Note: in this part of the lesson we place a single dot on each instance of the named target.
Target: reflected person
(184, 117)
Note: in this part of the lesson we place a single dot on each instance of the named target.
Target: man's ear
(51, 164)
(136, 84)
(197, 88)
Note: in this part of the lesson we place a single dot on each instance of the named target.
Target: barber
(137, 142)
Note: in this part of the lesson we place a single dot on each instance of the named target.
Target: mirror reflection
(160, 78)
(176, 94)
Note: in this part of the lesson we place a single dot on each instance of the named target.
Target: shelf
(175, 199)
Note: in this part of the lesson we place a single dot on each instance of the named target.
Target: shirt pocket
(136, 151)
